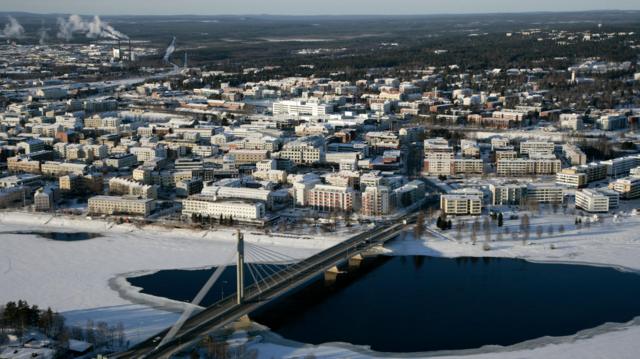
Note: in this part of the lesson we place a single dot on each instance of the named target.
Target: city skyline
(290, 7)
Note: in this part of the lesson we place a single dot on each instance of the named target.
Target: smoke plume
(170, 50)
(13, 29)
(93, 29)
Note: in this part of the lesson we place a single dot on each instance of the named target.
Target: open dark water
(417, 303)
(60, 236)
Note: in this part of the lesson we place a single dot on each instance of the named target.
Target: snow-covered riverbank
(75, 277)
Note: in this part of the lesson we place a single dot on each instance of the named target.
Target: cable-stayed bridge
(280, 275)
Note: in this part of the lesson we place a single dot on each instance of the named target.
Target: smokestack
(185, 60)
(130, 52)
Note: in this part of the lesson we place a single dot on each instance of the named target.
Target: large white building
(333, 198)
(538, 147)
(111, 205)
(592, 200)
(208, 206)
(528, 167)
(461, 204)
(301, 107)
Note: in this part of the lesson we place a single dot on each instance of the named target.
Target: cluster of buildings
(252, 151)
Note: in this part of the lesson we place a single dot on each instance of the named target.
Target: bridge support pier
(332, 274)
(355, 261)
(240, 268)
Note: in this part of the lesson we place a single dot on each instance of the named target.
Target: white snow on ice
(73, 277)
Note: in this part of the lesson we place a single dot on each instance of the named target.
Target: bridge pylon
(240, 268)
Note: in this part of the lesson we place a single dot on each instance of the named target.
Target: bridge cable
(249, 265)
(195, 302)
(265, 266)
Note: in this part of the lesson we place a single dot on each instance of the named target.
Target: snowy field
(80, 278)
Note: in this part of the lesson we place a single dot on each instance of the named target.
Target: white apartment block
(499, 142)
(508, 194)
(208, 206)
(124, 186)
(592, 200)
(574, 154)
(333, 198)
(112, 205)
(621, 166)
(461, 204)
(538, 147)
(528, 167)
(306, 150)
(545, 193)
(628, 187)
(448, 167)
(571, 121)
(571, 178)
(300, 108)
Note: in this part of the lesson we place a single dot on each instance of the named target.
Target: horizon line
(329, 15)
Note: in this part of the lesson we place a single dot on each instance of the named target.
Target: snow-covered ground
(77, 278)
(615, 243)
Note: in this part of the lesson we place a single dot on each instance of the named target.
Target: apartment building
(537, 147)
(574, 154)
(124, 186)
(461, 204)
(572, 178)
(208, 206)
(596, 201)
(545, 193)
(301, 107)
(245, 157)
(329, 198)
(628, 187)
(528, 167)
(304, 151)
(377, 201)
(114, 205)
(508, 194)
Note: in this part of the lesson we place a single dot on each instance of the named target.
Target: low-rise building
(209, 207)
(115, 205)
(592, 200)
(461, 204)
(628, 187)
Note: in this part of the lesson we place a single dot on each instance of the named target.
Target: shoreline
(580, 249)
(271, 337)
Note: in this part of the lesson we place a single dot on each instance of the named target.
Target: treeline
(21, 316)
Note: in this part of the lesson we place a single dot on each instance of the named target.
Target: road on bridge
(228, 310)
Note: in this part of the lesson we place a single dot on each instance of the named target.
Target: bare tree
(474, 232)
(525, 227)
(418, 229)
(459, 228)
(486, 227)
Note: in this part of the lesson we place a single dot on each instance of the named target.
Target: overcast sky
(306, 7)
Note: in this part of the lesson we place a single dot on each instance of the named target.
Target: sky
(306, 7)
